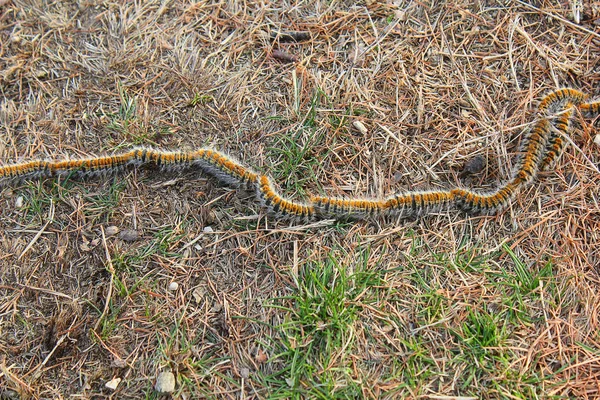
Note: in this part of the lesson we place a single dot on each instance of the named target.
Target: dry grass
(487, 307)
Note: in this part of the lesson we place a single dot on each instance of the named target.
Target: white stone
(113, 383)
(165, 382)
(360, 127)
(111, 230)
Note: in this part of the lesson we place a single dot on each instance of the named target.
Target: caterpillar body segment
(166, 160)
(532, 150)
(404, 205)
(280, 207)
(172, 160)
(141, 156)
(224, 168)
(590, 110)
(89, 166)
(46, 169)
(556, 100)
(340, 208)
(539, 150)
(31, 169)
(559, 128)
(416, 204)
(486, 203)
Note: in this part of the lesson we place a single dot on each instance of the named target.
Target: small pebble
(208, 229)
(199, 293)
(129, 235)
(400, 15)
(597, 140)
(360, 127)
(19, 202)
(474, 165)
(173, 286)
(165, 382)
(113, 383)
(118, 363)
(111, 230)
(397, 177)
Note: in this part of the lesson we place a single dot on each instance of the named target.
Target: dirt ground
(112, 283)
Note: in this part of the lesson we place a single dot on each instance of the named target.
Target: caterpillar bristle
(556, 144)
(280, 207)
(555, 100)
(532, 150)
(223, 168)
(485, 203)
(539, 150)
(350, 209)
(590, 110)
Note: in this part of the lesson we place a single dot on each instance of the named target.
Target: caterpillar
(539, 150)
(556, 142)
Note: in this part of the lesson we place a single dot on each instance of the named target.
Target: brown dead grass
(435, 85)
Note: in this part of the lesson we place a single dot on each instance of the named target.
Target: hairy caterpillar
(556, 141)
(539, 150)
(557, 99)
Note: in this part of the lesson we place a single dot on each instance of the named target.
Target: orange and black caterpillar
(539, 150)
